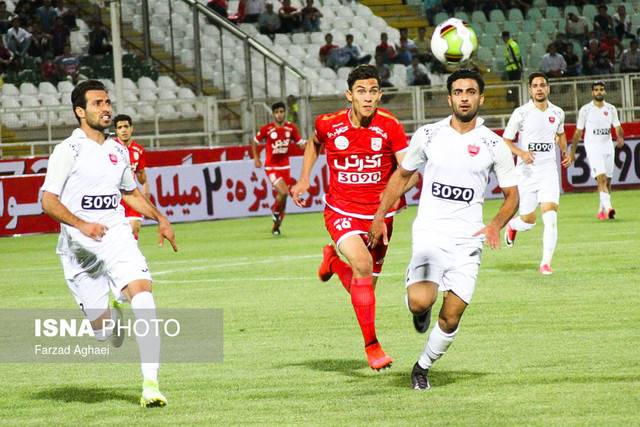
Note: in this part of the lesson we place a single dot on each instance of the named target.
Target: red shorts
(278, 174)
(341, 226)
(131, 213)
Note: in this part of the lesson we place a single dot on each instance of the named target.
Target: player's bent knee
(136, 287)
(448, 322)
(362, 267)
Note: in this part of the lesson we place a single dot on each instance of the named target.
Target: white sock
(549, 236)
(144, 308)
(437, 345)
(605, 200)
(519, 225)
(104, 334)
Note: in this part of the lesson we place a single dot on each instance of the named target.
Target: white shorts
(454, 267)
(600, 159)
(94, 268)
(538, 186)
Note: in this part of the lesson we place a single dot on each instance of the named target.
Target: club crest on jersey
(273, 135)
(341, 142)
(473, 150)
(113, 158)
(552, 119)
(606, 113)
(376, 144)
(287, 134)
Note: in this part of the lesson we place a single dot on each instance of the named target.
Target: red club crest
(606, 113)
(473, 150)
(113, 158)
(552, 119)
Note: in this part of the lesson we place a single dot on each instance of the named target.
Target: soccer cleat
(546, 269)
(420, 378)
(377, 358)
(422, 321)
(328, 255)
(509, 236)
(117, 337)
(151, 396)
(611, 214)
(275, 230)
(602, 216)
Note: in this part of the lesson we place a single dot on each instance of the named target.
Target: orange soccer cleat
(377, 358)
(328, 255)
(601, 216)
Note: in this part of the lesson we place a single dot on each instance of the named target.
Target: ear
(449, 100)
(80, 112)
(481, 99)
(349, 95)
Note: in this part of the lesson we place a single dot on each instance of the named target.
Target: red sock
(344, 272)
(363, 300)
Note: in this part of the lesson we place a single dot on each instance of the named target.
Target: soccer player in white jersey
(457, 155)
(595, 119)
(88, 174)
(540, 126)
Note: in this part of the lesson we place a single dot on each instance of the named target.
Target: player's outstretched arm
(392, 192)
(526, 156)
(254, 152)
(311, 153)
(52, 206)
(137, 201)
(505, 213)
(577, 135)
(619, 136)
(564, 152)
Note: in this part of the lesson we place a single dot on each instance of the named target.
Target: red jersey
(137, 158)
(360, 160)
(278, 139)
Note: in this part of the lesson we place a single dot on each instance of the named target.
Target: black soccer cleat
(420, 378)
(422, 321)
(275, 230)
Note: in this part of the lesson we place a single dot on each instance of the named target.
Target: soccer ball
(453, 42)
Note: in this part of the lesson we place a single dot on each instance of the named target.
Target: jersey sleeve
(582, 118)
(295, 134)
(415, 156)
(261, 135)
(142, 161)
(58, 168)
(560, 129)
(614, 117)
(398, 137)
(513, 126)
(128, 183)
(504, 167)
(320, 130)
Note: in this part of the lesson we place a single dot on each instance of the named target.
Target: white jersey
(598, 121)
(537, 132)
(456, 173)
(88, 177)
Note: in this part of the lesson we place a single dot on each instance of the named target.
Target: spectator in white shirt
(576, 27)
(417, 74)
(630, 60)
(253, 9)
(622, 24)
(553, 64)
(18, 39)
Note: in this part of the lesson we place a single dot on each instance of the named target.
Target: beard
(97, 125)
(599, 98)
(465, 117)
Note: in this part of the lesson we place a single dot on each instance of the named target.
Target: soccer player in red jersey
(138, 161)
(279, 136)
(363, 144)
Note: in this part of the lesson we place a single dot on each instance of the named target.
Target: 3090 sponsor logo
(359, 177)
(451, 192)
(540, 146)
(602, 132)
(100, 202)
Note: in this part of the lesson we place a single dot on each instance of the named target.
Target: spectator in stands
(611, 47)
(385, 50)
(449, 6)
(431, 8)
(423, 46)
(512, 57)
(46, 14)
(630, 60)
(68, 65)
(310, 17)
(292, 109)
(417, 74)
(325, 50)
(219, 6)
(553, 63)
(7, 58)
(253, 9)
(24, 11)
(59, 36)
(523, 5)
(576, 27)
(347, 56)
(289, 17)
(603, 22)
(405, 49)
(18, 39)
(48, 69)
(40, 40)
(622, 23)
(5, 18)
(384, 72)
(594, 61)
(98, 39)
(269, 22)
(489, 5)
(574, 65)
(67, 15)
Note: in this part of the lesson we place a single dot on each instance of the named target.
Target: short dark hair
(506, 34)
(277, 105)
(536, 75)
(362, 72)
(122, 118)
(78, 96)
(465, 73)
(598, 83)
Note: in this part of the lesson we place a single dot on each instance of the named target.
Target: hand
(527, 156)
(377, 230)
(567, 159)
(298, 190)
(93, 230)
(258, 163)
(492, 236)
(572, 156)
(619, 142)
(166, 232)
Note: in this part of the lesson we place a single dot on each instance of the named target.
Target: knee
(362, 266)
(418, 304)
(448, 322)
(529, 218)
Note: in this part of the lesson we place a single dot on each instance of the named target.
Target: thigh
(461, 277)
(428, 263)
(90, 288)
(549, 187)
(597, 161)
(528, 199)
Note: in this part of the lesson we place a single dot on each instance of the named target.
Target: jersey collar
(479, 121)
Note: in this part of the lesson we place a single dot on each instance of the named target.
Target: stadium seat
(478, 16)
(540, 3)
(496, 15)
(589, 11)
(512, 26)
(46, 88)
(50, 100)
(548, 26)
(492, 28)
(529, 26)
(299, 38)
(571, 9)
(440, 17)
(462, 16)
(145, 83)
(10, 102)
(9, 89)
(553, 12)
(166, 111)
(534, 14)
(11, 120)
(166, 94)
(187, 111)
(282, 40)
(28, 89)
(326, 73)
(515, 15)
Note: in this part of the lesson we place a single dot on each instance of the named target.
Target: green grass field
(531, 350)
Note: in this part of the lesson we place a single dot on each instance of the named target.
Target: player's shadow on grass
(514, 266)
(358, 368)
(85, 394)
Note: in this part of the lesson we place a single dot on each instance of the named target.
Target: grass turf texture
(554, 350)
